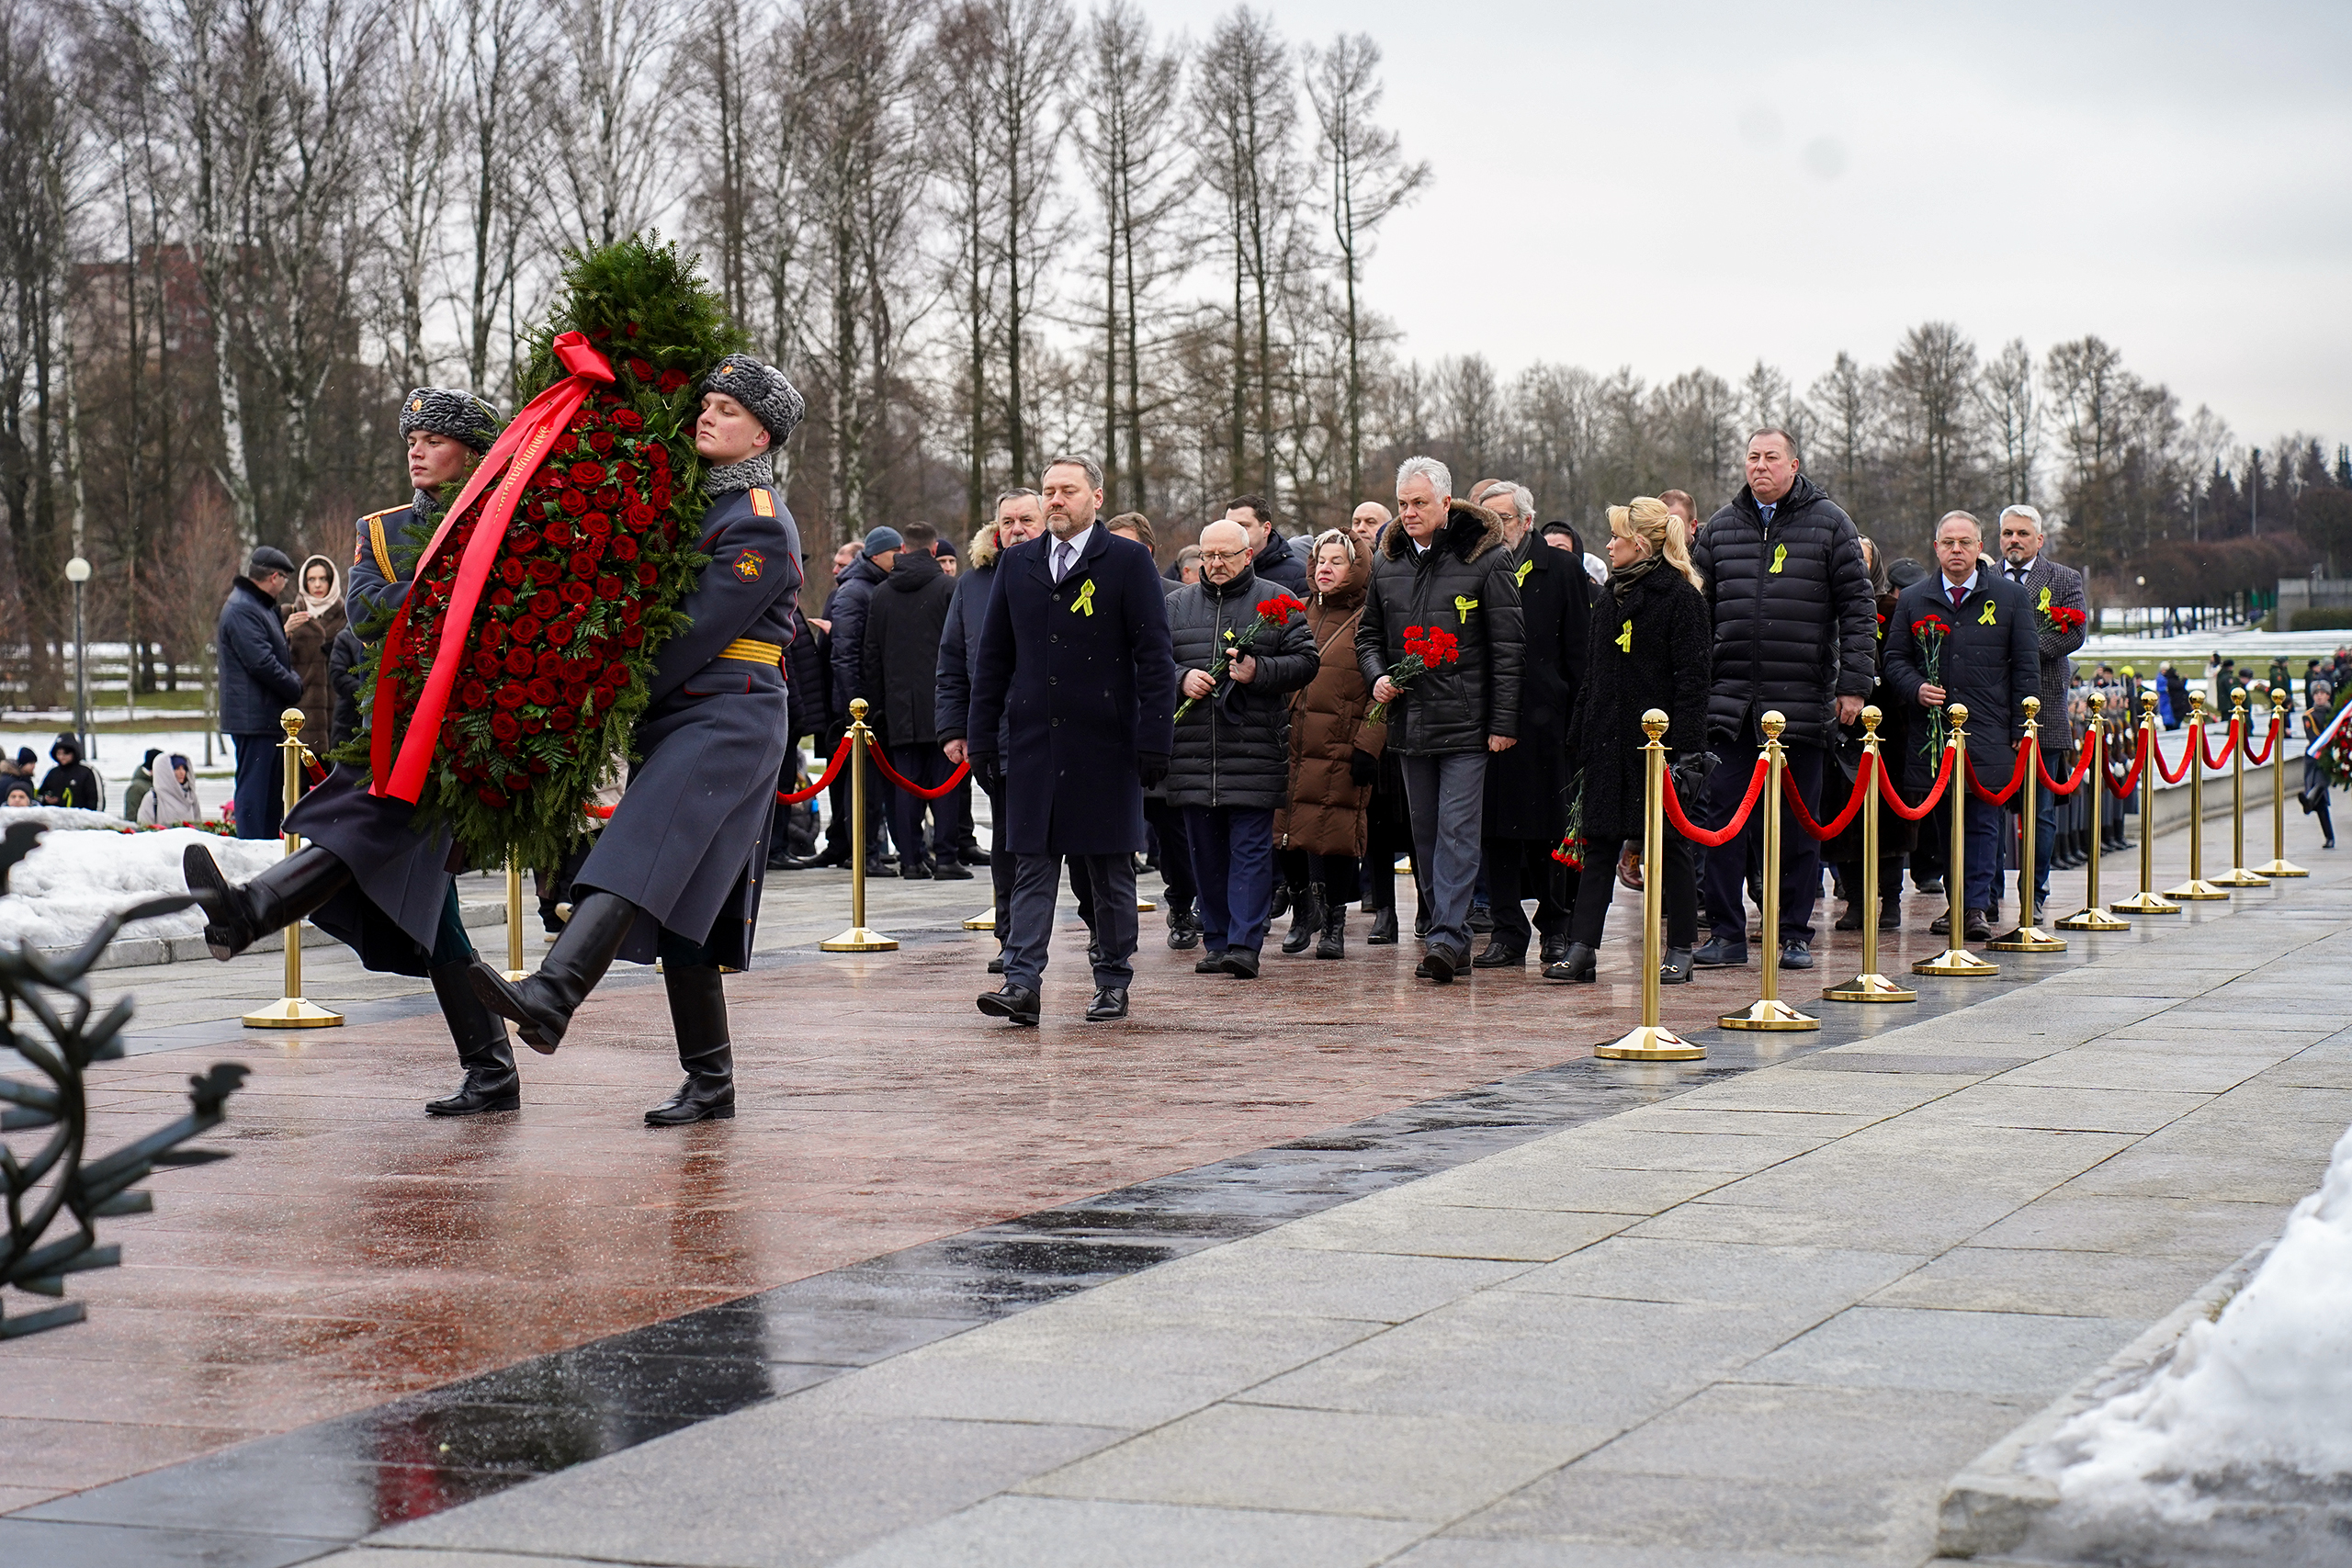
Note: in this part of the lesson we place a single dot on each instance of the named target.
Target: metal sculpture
(54, 1179)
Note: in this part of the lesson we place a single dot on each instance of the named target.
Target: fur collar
(983, 550)
(1470, 532)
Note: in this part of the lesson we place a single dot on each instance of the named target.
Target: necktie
(1061, 559)
(1959, 591)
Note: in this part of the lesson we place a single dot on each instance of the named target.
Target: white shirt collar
(1969, 584)
(1077, 543)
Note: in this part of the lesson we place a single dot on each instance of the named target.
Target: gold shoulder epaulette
(377, 545)
(761, 501)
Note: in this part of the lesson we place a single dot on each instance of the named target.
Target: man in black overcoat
(676, 872)
(1077, 665)
(2048, 585)
(1990, 661)
(1526, 808)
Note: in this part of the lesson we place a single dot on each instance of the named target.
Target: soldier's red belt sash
(510, 462)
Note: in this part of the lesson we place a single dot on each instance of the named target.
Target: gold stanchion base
(2282, 868)
(1956, 963)
(1650, 1044)
(293, 1013)
(2093, 918)
(1145, 905)
(1772, 1014)
(2028, 939)
(2197, 892)
(857, 939)
(2144, 904)
(2238, 876)
(983, 921)
(1871, 987)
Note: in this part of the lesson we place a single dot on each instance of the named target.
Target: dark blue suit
(1082, 677)
(686, 844)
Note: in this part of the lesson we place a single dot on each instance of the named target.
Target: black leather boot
(237, 916)
(1383, 928)
(1334, 942)
(698, 1015)
(1577, 964)
(1306, 916)
(491, 1084)
(542, 1004)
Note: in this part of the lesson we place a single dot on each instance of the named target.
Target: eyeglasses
(1224, 555)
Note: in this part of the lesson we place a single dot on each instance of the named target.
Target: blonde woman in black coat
(1650, 646)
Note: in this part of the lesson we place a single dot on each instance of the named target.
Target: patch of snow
(2255, 1404)
(72, 881)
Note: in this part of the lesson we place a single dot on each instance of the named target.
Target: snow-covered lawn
(85, 870)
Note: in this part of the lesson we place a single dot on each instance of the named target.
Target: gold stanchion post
(2029, 936)
(857, 939)
(2095, 916)
(514, 970)
(1652, 1042)
(2237, 876)
(1956, 961)
(2148, 902)
(983, 921)
(293, 1011)
(1870, 985)
(2279, 865)
(2196, 890)
(1770, 1012)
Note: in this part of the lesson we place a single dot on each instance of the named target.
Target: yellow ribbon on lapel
(1985, 619)
(1625, 640)
(1779, 558)
(2045, 601)
(1085, 600)
(1525, 566)
(1463, 607)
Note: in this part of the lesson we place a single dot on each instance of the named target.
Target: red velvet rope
(1716, 837)
(1894, 801)
(2187, 757)
(2017, 781)
(318, 772)
(2229, 744)
(2274, 729)
(2122, 790)
(918, 791)
(1845, 819)
(824, 782)
(2073, 780)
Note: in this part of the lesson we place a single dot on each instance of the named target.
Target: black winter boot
(698, 1015)
(1334, 942)
(491, 1084)
(1383, 928)
(1306, 916)
(542, 1004)
(237, 916)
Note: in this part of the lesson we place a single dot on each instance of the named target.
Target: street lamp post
(78, 572)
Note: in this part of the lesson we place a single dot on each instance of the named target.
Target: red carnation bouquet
(2064, 618)
(1930, 631)
(1272, 612)
(1425, 648)
(580, 589)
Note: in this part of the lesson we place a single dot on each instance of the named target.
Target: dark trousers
(1724, 885)
(1982, 830)
(955, 815)
(877, 810)
(1000, 869)
(1175, 853)
(1518, 869)
(1338, 877)
(1036, 885)
(261, 784)
(923, 763)
(1598, 888)
(1233, 860)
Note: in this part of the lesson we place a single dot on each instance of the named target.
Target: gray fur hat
(762, 390)
(453, 413)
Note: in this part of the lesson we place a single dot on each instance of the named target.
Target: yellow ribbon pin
(1985, 619)
(1779, 558)
(1085, 600)
(1463, 607)
(1520, 576)
(1625, 640)
(2045, 601)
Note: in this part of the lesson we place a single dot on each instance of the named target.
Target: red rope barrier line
(2073, 780)
(2130, 780)
(2017, 781)
(2273, 729)
(1894, 801)
(1845, 819)
(841, 755)
(2229, 744)
(918, 791)
(2188, 756)
(1717, 838)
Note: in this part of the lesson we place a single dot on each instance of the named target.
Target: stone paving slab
(1761, 1322)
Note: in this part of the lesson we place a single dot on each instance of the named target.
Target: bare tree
(1031, 40)
(606, 107)
(964, 150)
(1844, 401)
(1929, 385)
(2091, 396)
(2006, 402)
(417, 137)
(494, 71)
(1366, 180)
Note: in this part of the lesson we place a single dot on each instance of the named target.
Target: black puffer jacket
(1278, 564)
(1463, 584)
(846, 607)
(900, 671)
(1795, 623)
(1233, 748)
(1646, 650)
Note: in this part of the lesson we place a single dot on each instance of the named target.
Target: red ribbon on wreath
(517, 455)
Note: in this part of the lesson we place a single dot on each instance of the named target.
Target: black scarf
(1625, 579)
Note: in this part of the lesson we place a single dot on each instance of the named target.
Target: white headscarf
(170, 802)
(302, 599)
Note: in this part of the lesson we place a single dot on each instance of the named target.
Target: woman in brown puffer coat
(1334, 756)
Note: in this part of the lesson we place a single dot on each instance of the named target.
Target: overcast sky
(1665, 185)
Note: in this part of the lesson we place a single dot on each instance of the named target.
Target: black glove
(1691, 771)
(1152, 768)
(1364, 768)
(989, 769)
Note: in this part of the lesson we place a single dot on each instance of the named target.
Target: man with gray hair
(1446, 569)
(2025, 560)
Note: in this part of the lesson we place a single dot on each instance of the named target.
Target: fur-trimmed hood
(983, 550)
(1470, 532)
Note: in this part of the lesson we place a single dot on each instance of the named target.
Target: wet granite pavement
(421, 1314)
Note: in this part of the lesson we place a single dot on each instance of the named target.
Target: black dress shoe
(1796, 956)
(1676, 970)
(996, 965)
(1110, 1003)
(948, 871)
(972, 854)
(1499, 955)
(1941, 925)
(876, 866)
(914, 870)
(1980, 925)
(1183, 929)
(1446, 960)
(1482, 918)
(1720, 952)
(1016, 1004)
(1241, 963)
(1210, 963)
(1576, 965)
(1890, 915)
(1384, 929)
(1554, 947)
(1851, 920)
